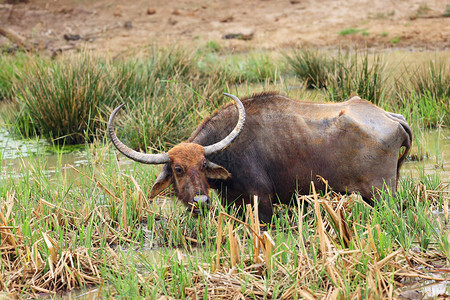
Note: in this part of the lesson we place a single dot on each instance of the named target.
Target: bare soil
(264, 24)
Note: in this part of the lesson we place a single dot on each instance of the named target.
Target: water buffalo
(284, 144)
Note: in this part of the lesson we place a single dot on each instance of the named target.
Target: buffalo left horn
(219, 146)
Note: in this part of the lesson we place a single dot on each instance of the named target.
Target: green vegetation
(351, 30)
(96, 226)
(422, 10)
(395, 40)
(426, 91)
(381, 15)
(447, 11)
(64, 99)
(311, 67)
(211, 46)
(353, 75)
(432, 80)
(249, 68)
(341, 76)
(68, 100)
(10, 68)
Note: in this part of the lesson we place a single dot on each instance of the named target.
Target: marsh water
(431, 156)
(17, 154)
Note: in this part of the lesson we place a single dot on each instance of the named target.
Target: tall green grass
(136, 79)
(356, 75)
(69, 99)
(165, 119)
(310, 66)
(341, 76)
(237, 68)
(10, 67)
(426, 90)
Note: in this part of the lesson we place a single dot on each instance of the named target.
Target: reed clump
(311, 67)
(424, 91)
(168, 114)
(341, 76)
(68, 100)
(63, 99)
(355, 75)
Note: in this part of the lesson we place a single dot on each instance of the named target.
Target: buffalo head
(186, 166)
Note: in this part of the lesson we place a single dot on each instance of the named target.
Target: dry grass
(42, 266)
(248, 263)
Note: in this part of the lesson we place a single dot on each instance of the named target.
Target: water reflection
(17, 155)
(425, 289)
(14, 148)
(435, 146)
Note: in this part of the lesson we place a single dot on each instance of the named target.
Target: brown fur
(187, 154)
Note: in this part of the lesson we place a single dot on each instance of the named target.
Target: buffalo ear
(214, 171)
(163, 181)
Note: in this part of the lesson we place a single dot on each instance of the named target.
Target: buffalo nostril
(202, 200)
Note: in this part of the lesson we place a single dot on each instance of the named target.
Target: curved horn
(219, 146)
(130, 153)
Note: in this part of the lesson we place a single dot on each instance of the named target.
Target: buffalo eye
(178, 170)
(205, 163)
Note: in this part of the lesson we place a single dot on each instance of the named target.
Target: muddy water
(17, 154)
(434, 146)
(425, 290)
(433, 150)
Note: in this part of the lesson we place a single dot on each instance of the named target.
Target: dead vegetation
(45, 265)
(335, 261)
(341, 251)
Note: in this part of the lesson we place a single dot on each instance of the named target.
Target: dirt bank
(118, 25)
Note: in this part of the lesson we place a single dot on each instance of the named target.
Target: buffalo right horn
(130, 153)
(164, 157)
